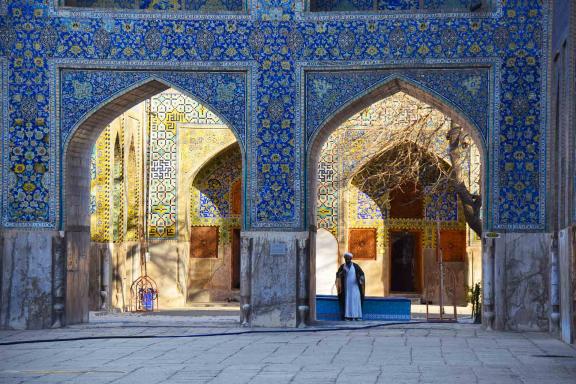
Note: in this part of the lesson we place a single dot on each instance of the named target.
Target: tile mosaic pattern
(84, 91)
(100, 182)
(513, 39)
(327, 208)
(367, 209)
(441, 206)
(163, 154)
(168, 111)
(391, 5)
(211, 192)
(363, 5)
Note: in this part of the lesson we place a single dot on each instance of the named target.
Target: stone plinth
(521, 281)
(275, 294)
(26, 280)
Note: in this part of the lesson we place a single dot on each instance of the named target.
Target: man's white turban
(348, 254)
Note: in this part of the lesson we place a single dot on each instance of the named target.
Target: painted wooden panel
(362, 243)
(204, 242)
(453, 244)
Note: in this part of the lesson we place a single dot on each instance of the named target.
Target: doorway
(404, 261)
(235, 278)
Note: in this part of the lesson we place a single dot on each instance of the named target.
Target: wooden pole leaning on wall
(442, 284)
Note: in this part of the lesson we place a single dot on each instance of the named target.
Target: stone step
(415, 298)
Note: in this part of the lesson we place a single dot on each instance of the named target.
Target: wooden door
(235, 278)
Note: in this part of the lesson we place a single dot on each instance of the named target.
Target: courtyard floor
(371, 353)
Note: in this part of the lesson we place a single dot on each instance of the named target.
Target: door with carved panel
(203, 250)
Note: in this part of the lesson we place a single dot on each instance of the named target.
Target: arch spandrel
(84, 92)
(462, 89)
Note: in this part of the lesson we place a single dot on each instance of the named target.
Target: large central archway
(315, 150)
(75, 201)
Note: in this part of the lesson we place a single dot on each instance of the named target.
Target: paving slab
(194, 353)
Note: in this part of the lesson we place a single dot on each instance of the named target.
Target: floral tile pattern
(271, 45)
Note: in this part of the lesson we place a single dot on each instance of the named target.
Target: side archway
(385, 90)
(75, 181)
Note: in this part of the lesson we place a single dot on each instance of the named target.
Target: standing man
(350, 283)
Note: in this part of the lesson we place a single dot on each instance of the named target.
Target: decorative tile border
(5, 133)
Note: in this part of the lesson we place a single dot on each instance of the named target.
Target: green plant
(475, 298)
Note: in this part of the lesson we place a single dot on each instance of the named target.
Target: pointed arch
(84, 134)
(203, 176)
(384, 89)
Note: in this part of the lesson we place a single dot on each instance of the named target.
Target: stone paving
(396, 354)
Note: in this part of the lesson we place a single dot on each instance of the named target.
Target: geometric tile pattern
(276, 42)
(100, 180)
(168, 110)
(212, 193)
(367, 209)
(443, 207)
(390, 5)
(84, 90)
(163, 153)
(329, 91)
(328, 187)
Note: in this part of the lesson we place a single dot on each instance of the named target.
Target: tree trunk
(471, 203)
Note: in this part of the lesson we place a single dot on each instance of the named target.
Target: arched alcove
(388, 88)
(117, 191)
(326, 262)
(215, 211)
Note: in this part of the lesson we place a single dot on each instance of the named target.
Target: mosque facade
(277, 79)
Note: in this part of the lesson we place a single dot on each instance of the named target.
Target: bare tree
(409, 144)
